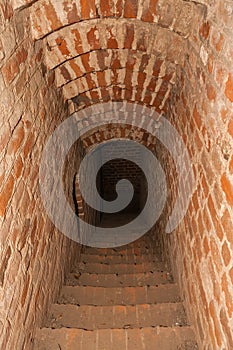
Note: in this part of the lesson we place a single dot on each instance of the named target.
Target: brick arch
(87, 36)
(117, 93)
(49, 15)
(115, 60)
(102, 135)
(113, 131)
(79, 36)
(113, 49)
(127, 74)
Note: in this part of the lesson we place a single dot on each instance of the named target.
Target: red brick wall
(84, 210)
(33, 254)
(175, 59)
(201, 110)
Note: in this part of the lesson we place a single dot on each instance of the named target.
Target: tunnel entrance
(110, 174)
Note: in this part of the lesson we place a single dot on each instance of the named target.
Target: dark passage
(110, 174)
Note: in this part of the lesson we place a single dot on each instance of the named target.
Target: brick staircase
(120, 298)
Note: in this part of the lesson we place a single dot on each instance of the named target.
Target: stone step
(169, 338)
(129, 250)
(119, 296)
(122, 280)
(119, 268)
(118, 259)
(118, 316)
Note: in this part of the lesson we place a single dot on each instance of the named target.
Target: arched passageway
(58, 58)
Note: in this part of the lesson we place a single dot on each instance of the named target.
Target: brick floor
(151, 278)
(122, 298)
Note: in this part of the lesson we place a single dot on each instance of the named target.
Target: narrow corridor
(119, 299)
(76, 76)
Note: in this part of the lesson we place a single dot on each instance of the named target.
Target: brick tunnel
(82, 58)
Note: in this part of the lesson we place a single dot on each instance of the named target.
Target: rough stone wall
(33, 255)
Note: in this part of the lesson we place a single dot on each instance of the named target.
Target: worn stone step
(170, 338)
(136, 250)
(119, 268)
(118, 316)
(119, 296)
(123, 280)
(118, 259)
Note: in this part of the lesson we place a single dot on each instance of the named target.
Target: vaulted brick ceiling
(118, 131)
(113, 49)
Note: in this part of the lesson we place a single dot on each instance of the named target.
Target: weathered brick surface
(117, 339)
(33, 254)
(201, 110)
(173, 56)
(100, 296)
(50, 15)
(120, 268)
(118, 258)
(101, 317)
(88, 69)
(111, 311)
(151, 278)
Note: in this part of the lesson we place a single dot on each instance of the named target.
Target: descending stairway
(122, 299)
